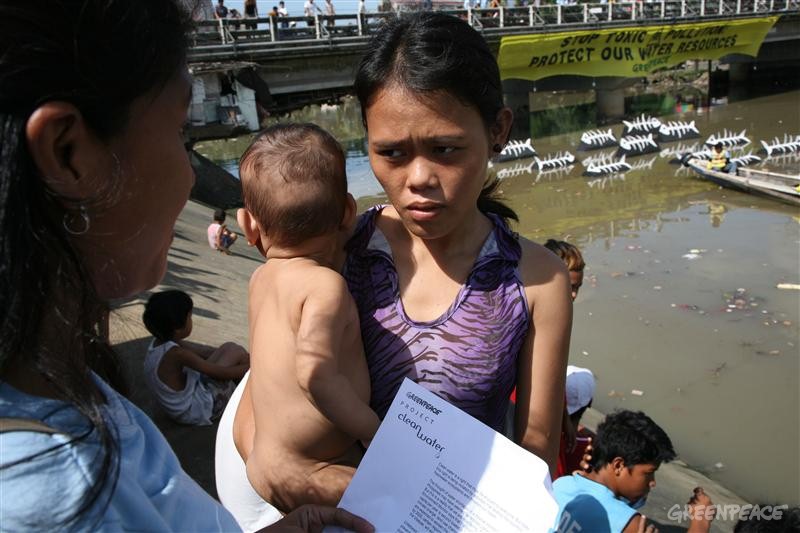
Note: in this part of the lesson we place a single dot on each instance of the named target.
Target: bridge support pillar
(739, 72)
(516, 94)
(610, 101)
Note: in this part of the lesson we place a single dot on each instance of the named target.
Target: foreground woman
(93, 173)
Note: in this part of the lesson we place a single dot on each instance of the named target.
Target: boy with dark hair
(191, 382)
(309, 387)
(626, 453)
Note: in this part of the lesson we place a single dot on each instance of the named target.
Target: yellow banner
(628, 52)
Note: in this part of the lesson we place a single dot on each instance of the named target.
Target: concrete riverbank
(218, 286)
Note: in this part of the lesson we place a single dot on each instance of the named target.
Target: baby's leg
(229, 354)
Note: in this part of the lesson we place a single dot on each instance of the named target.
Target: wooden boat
(782, 187)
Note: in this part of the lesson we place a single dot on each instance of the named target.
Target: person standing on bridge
(309, 10)
(283, 14)
(362, 15)
(250, 12)
(220, 11)
(330, 11)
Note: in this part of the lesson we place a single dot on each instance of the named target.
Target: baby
(309, 385)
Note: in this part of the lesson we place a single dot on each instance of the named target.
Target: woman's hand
(313, 518)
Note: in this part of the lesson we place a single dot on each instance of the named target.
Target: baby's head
(630, 447)
(573, 258)
(168, 315)
(294, 185)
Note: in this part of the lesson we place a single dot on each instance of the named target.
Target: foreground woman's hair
(100, 56)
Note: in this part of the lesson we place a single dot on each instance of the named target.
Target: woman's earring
(497, 148)
(76, 224)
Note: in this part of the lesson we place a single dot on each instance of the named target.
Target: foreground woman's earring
(76, 224)
(497, 148)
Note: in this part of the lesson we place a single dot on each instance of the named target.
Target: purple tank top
(468, 356)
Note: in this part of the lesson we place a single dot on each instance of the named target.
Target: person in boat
(721, 160)
(447, 294)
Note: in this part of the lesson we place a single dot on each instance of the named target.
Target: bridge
(283, 64)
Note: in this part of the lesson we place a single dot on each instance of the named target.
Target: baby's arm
(322, 334)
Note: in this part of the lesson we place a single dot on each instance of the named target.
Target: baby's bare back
(298, 455)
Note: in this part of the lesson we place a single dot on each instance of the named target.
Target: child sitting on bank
(626, 453)
(191, 382)
(309, 385)
(219, 236)
(571, 255)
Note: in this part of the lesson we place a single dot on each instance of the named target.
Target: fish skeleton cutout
(728, 139)
(676, 152)
(746, 159)
(598, 158)
(561, 159)
(637, 145)
(608, 167)
(516, 150)
(790, 144)
(677, 131)
(594, 139)
(641, 124)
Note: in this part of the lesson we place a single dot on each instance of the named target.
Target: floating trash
(637, 392)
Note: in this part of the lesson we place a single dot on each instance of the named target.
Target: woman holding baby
(447, 294)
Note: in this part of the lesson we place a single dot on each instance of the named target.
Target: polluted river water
(680, 314)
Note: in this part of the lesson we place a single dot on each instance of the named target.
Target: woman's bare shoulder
(539, 266)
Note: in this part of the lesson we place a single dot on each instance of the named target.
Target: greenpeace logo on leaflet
(416, 399)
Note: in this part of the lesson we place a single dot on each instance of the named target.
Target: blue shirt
(585, 505)
(152, 493)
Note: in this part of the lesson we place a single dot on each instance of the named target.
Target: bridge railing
(244, 33)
